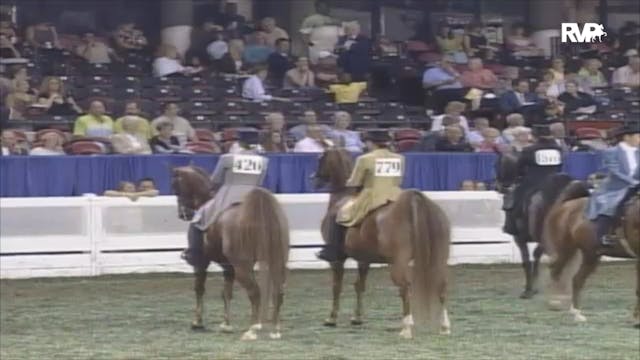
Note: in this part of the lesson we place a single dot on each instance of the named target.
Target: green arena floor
(148, 317)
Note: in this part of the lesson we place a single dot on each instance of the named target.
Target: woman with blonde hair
(19, 100)
(51, 144)
(55, 100)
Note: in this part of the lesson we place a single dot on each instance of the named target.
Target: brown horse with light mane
(412, 235)
(568, 232)
(255, 231)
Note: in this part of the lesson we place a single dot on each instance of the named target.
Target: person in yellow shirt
(133, 110)
(347, 92)
(95, 123)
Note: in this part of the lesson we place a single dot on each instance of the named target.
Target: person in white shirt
(182, 129)
(514, 121)
(167, 63)
(454, 109)
(51, 145)
(129, 141)
(314, 142)
(218, 47)
(628, 75)
(253, 87)
(272, 31)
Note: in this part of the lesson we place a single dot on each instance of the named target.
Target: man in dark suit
(519, 98)
(354, 52)
(280, 61)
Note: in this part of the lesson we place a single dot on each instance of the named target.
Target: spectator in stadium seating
(450, 44)
(94, 50)
(127, 37)
(51, 144)
(590, 75)
(520, 44)
(7, 49)
(309, 118)
(20, 73)
(519, 97)
(165, 142)
(490, 142)
(216, 46)
(11, 145)
(521, 139)
(182, 129)
(480, 186)
(167, 63)
(453, 140)
(326, 69)
(253, 86)
(257, 51)
(320, 31)
(514, 121)
(128, 189)
(467, 185)
(43, 35)
(342, 136)
(454, 109)
(272, 32)
(232, 62)
(95, 123)
(314, 142)
(20, 100)
(129, 142)
(478, 77)
(280, 61)
(8, 29)
(553, 87)
(576, 101)
(274, 122)
(559, 135)
(274, 143)
(148, 185)
(475, 43)
(474, 136)
(346, 91)
(131, 109)
(354, 52)
(557, 69)
(628, 75)
(53, 97)
(444, 82)
(299, 77)
(229, 19)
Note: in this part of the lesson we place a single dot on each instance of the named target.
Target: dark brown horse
(255, 231)
(569, 234)
(411, 230)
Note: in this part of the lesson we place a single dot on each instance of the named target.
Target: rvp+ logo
(591, 32)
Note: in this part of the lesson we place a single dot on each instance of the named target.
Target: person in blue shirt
(443, 81)
(342, 136)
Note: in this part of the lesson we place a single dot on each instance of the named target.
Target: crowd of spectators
(480, 96)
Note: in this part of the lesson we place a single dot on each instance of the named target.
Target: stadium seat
(406, 145)
(407, 134)
(202, 147)
(85, 148)
(205, 135)
(585, 133)
(197, 93)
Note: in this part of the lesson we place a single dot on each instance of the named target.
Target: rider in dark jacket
(536, 162)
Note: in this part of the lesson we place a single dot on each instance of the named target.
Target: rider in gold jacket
(378, 174)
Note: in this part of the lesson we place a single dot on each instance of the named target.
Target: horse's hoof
(330, 323)
(356, 322)
(275, 336)
(197, 327)
(249, 335)
(577, 315)
(445, 331)
(226, 328)
(528, 294)
(406, 333)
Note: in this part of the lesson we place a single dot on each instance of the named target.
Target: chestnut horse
(255, 231)
(567, 233)
(413, 228)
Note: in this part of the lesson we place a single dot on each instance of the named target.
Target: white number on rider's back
(247, 164)
(549, 157)
(388, 167)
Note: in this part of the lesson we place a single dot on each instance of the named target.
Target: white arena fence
(91, 235)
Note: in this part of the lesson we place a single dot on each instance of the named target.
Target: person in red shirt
(478, 77)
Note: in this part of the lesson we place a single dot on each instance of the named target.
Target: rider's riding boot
(333, 250)
(603, 227)
(193, 255)
(509, 222)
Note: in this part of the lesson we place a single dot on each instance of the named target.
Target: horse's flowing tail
(267, 227)
(430, 238)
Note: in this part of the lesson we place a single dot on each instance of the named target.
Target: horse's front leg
(337, 270)
(227, 295)
(200, 279)
(360, 286)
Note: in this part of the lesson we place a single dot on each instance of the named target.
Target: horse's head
(192, 188)
(334, 168)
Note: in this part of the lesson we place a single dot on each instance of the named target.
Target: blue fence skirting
(24, 176)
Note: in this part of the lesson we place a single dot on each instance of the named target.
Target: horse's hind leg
(589, 264)
(360, 286)
(246, 278)
(400, 277)
(537, 254)
(227, 294)
(199, 282)
(337, 268)
(278, 297)
(526, 266)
